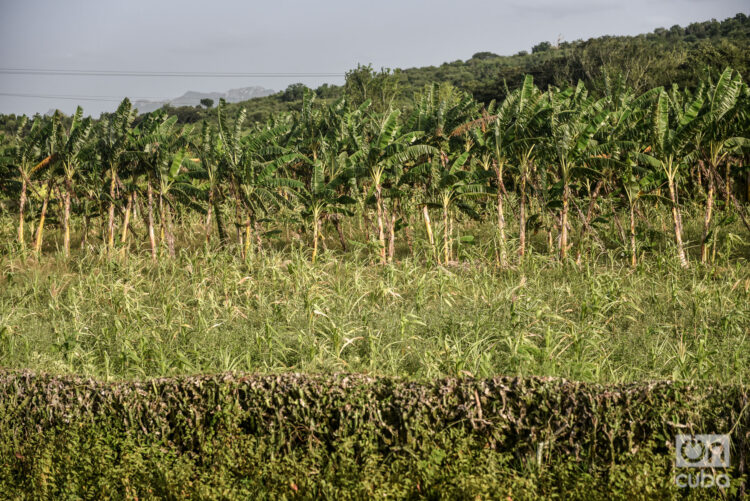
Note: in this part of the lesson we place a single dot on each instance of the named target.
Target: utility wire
(111, 73)
(114, 99)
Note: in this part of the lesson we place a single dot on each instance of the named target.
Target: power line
(112, 73)
(77, 98)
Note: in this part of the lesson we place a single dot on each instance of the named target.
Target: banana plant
(175, 186)
(261, 189)
(330, 173)
(251, 162)
(451, 186)
(636, 184)
(113, 142)
(24, 154)
(673, 127)
(161, 150)
(209, 153)
(520, 118)
(48, 141)
(532, 110)
(715, 141)
(443, 114)
(574, 121)
(501, 138)
(609, 163)
(69, 151)
(377, 155)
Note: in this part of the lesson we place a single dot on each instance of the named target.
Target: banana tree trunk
(111, 221)
(219, 223)
(316, 231)
(209, 210)
(136, 206)
(677, 220)
(430, 236)
(151, 236)
(381, 229)
(501, 214)
(21, 207)
(102, 227)
(633, 257)
(238, 222)
(564, 223)
(246, 248)
(42, 216)
(85, 228)
(589, 213)
(707, 219)
(66, 218)
(522, 219)
(322, 237)
(126, 221)
(336, 220)
(450, 239)
(168, 228)
(446, 236)
(391, 235)
(162, 231)
(728, 182)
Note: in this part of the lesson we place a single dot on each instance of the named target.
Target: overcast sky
(289, 36)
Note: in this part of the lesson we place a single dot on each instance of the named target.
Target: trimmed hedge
(354, 436)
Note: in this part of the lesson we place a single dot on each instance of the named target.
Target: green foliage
(365, 84)
(349, 436)
(209, 311)
(294, 92)
(543, 165)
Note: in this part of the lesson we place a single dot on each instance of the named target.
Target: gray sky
(289, 36)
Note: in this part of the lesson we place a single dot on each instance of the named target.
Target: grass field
(210, 311)
(349, 379)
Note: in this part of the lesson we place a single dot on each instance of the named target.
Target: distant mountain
(193, 98)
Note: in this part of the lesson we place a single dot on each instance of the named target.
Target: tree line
(542, 160)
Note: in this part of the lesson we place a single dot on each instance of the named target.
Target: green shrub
(353, 436)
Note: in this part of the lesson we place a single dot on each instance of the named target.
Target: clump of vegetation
(209, 311)
(569, 163)
(349, 437)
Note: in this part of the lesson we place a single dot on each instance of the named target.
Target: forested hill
(666, 56)
(677, 55)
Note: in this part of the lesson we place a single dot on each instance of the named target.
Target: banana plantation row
(556, 154)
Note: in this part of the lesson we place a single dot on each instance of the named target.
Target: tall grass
(124, 316)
